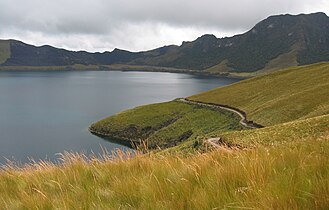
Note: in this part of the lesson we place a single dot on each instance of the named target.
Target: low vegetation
(282, 96)
(290, 176)
(166, 124)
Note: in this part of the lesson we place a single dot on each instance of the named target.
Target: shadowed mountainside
(276, 42)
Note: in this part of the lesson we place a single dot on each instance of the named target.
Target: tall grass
(290, 176)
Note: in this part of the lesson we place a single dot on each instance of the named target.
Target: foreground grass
(166, 124)
(282, 96)
(290, 176)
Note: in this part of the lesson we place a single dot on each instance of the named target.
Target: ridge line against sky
(102, 25)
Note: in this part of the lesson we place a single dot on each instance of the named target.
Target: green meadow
(282, 96)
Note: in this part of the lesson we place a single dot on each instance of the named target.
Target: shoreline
(116, 139)
(118, 68)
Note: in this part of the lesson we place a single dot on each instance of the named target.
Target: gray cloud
(99, 25)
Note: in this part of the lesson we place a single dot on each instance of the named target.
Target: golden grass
(291, 176)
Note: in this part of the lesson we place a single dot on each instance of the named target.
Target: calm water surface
(45, 113)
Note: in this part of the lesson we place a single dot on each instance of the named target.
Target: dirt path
(242, 115)
(215, 142)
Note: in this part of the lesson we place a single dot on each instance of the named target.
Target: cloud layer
(100, 25)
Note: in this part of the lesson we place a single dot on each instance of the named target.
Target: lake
(46, 113)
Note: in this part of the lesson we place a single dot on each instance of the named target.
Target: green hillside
(279, 97)
(295, 131)
(4, 51)
(166, 124)
(283, 96)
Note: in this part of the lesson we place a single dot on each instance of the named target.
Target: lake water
(45, 113)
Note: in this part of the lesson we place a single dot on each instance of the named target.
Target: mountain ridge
(275, 42)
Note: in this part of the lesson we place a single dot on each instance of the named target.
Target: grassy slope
(282, 61)
(220, 68)
(285, 60)
(4, 51)
(271, 100)
(166, 124)
(279, 134)
(290, 176)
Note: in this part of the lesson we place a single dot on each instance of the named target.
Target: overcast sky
(100, 25)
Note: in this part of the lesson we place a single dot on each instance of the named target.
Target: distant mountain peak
(207, 37)
(301, 15)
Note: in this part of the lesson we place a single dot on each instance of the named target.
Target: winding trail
(217, 142)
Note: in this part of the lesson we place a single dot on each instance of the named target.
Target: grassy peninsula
(166, 124)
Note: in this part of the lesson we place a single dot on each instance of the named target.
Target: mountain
(276, 42)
